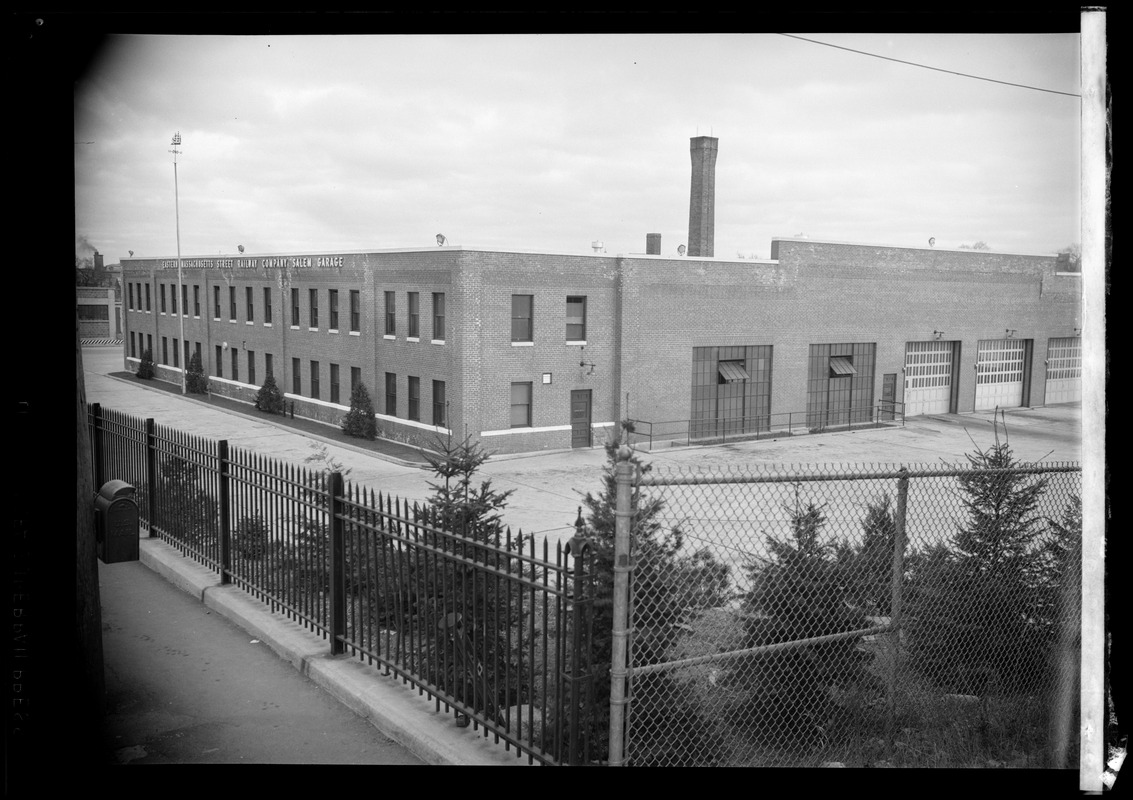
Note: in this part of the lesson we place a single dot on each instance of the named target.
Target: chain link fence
(873, 616)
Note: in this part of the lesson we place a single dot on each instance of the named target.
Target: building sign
(273, 262)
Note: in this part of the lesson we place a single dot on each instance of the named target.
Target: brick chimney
(702, 203)
(652, 244)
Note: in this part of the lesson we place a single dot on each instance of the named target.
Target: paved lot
(548, 486)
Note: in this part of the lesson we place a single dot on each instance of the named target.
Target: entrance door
(580, 431)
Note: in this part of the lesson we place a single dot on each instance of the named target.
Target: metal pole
(896, 588)
(623, 519)
(180, 292)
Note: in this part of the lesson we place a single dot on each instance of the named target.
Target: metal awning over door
(733, 372)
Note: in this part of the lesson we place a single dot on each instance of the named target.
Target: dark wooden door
(580, 434)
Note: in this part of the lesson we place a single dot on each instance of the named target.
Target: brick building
(529, 351)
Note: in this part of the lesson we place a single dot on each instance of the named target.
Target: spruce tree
(359, 421)
(146, 367)
(195, 380)
(269, 399)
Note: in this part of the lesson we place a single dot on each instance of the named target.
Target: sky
(552, 142)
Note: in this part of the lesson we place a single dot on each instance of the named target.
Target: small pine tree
(359, 421)
(146, 368)
(269, 399)
(195, 380)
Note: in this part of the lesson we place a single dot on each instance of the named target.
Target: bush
(196, 381)
(146, 368)
(269, 399)
(359, 421)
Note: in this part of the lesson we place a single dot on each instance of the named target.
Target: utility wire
(924, 66)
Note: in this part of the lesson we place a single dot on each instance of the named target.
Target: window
(355, 311)
(216, 302)
(185, 299)
(133, 348)
(268, 372)
(267, 305)
(197, 350)
(172, 298)
(176, 354)
(219, 361)
(295, 308)
(315, 379)
(130, 288)
(235, 364)
(231, 303)
(314, 298)
(522, 308)
(391, 394)
(161, 297)
(94, 312)
(248, 302)
(164, 350)
(576, 319)
(252, 367)
(147, 297)
(521, 405)
(439, 316)
(334, 383)
(414, 398)
(196, 301)
(149, 344)
(186, 353)
(332, 306)
(355, 379)
(391, 318)
(439, 403)
(296, 379)
(414, 315)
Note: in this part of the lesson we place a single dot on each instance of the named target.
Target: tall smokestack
(702, 203)
(652, 244)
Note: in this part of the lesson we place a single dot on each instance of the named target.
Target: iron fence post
(337, 564)
(96, 443)
(151, 474)
(623, 518)
(578, 548)
(224, 536)
(897, 591)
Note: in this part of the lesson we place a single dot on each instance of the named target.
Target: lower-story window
(414, 398)
(521, 405)
(439, 403)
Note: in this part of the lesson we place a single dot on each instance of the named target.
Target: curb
(394, 708)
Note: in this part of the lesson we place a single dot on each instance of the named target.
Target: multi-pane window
(332, 308)
(315, 379)
(355, 379)
(172, 298)
(196, 301)
(522, 310)
(355, 311)
(521, 405)
(235, 364)
(439, 316)
(216, 302)
(439, 403)
(219, 361)
(252, 367)
(414, 315)
(334, 383)
(267, 305)
(314, 306)
(840, 383)
(248, 302)
(731, 389)
(391, 314)
(391, 394)
(231, 303)
(130, 291)
(296, 378)
(147, 297)
(161, 297)
(295, 308)
(576, 319)
(185, 299)
(414, 398)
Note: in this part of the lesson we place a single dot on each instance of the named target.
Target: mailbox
(116, 522)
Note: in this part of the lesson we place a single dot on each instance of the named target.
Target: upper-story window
(414, 315)
(391, 314)
(439, 316)
(314, 296)
(522, 317)
(355, 311)
(576, 319)
(332, 307)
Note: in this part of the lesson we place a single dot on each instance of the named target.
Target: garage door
(999, 373)
(1064, 371)
(928, 378)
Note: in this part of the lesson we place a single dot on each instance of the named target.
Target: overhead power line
(925, 66)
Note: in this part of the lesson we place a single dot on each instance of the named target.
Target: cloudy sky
(550, 142)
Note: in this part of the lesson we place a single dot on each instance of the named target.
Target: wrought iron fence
(491, 630)
(921, 616)
(648, 434)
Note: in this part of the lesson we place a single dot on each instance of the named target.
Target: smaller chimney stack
(652, 244)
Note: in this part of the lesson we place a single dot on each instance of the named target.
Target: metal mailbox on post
(116, 522)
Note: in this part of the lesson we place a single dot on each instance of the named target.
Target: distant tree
(359, 421)
(1074, 254)
(868, 566)
(269, 399)
(977, 246)
(196, 381)
(146, 368)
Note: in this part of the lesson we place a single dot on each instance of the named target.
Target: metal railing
(647, 433)
(492, 631)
